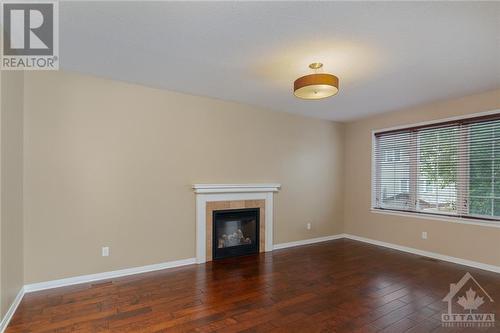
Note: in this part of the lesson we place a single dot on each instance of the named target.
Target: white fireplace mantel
(235, 188)
(228, 192)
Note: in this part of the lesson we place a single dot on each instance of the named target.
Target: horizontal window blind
(450, 168)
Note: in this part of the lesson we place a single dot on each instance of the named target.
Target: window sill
(438, 218)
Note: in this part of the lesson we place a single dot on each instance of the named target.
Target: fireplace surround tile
(210, 197)
(234, 204)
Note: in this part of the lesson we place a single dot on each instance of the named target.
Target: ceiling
(387, 55)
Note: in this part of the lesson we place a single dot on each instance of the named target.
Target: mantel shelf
(236, 188)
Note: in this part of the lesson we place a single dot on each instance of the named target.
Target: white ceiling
(387, 55)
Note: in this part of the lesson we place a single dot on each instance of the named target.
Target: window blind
(450, 168)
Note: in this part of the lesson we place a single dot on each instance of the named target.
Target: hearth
(235, 232)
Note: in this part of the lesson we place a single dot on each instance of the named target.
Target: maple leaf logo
(470, 302)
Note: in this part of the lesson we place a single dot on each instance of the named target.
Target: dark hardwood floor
(337, 286)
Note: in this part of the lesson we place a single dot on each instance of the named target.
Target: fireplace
(235, 232)
(217, 197)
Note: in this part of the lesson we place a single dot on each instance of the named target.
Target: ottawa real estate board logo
(30, 36)
(464, 300)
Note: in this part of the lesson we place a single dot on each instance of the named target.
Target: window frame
(375, 179)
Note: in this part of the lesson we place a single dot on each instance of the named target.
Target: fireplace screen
(235, 232)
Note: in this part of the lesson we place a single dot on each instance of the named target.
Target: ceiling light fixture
(317, 85)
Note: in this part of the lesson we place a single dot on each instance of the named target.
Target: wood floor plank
(336, 286)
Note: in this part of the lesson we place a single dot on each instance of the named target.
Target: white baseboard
(149, 268)
(106, 275)
(307, 241)
(465, 262)
(10, 312)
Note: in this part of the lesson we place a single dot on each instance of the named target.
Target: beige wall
(11, 202)
(109, 163)
(459, 240)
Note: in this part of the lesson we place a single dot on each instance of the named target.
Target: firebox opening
(235, 232)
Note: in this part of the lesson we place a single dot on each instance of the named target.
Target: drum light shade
(316, 86)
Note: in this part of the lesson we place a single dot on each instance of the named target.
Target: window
(397, 155)
(392, 155)
(450, 168)
(405, 185)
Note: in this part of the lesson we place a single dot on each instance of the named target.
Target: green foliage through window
(484, 169)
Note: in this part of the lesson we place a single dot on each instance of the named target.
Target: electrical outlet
(424, 234)
(308, 226)
(105, 251)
